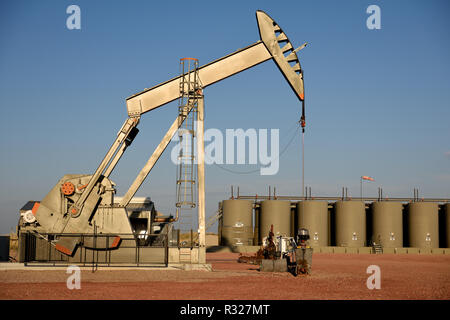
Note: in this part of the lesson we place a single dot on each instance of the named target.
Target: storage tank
(237, 223)
(275, 212)
(350, 223)
(387, 224)
(447, 224)
(313, 215)
(4, 247)
(423, 225)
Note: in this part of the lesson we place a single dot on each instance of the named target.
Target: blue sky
(377, 100)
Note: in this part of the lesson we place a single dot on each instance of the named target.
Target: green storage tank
(387, 224)
(237, 222)
(313, 215)
(350, 223)
(423, 225)
(276, 213)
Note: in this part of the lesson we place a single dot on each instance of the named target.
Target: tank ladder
(377, 248)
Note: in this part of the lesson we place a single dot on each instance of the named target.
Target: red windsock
(367, 178)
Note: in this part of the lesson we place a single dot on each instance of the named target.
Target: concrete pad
(192, 267)
(365, 250)
(20, 266)
(280, 265)
(351, 250)
(266, 265)
(338, 249)
(325, 250)
(11, 266)
(437, 251)
(413, 250)
(425, 250)
(401, 250)
(389, 250)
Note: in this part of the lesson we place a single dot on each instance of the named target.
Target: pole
(303, 163)
(361, 188)
(201, 180)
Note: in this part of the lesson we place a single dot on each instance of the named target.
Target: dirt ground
(334, 276)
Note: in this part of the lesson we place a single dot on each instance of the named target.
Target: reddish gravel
(335, 276)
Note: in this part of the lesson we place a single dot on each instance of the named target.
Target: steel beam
(153, 158)
(201, 181)
(121, 136)
(210, 73)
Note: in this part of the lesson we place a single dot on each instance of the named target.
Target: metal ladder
(187, 169)
(377, 248)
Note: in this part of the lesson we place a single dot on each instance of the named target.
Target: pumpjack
(86, 203)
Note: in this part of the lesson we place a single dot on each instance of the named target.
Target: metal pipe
(360, 190)
(296, 198)
(201, 181)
